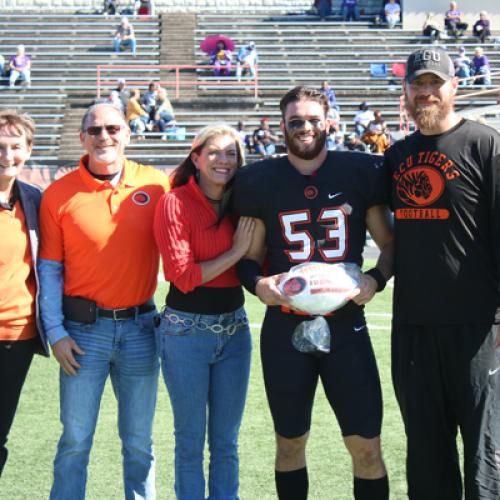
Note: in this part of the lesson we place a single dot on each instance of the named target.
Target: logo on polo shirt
(141, 198)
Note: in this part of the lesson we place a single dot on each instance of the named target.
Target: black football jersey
(320, 217)
(446, 201)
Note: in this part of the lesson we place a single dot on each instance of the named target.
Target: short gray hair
(90, 112)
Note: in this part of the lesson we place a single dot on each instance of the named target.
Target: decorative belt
(202, 325)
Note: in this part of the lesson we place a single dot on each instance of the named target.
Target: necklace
(213, 200)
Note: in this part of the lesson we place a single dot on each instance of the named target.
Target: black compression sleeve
(378, 277)
(249, 273)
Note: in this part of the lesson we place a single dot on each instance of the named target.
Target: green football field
(36, 430)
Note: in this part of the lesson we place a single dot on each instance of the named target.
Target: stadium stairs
(293, 49)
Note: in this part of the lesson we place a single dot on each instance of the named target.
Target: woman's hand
(243, 236)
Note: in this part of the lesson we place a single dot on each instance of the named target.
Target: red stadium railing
(176, 82)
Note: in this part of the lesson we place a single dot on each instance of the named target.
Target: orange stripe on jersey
(17, 280)
(104, 234)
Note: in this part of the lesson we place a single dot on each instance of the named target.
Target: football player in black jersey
(445, 345)
(315, 205)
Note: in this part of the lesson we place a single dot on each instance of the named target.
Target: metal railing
(176, 83)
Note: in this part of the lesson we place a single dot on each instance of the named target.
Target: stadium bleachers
(293, 49)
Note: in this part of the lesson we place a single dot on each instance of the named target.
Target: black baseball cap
(432, 60)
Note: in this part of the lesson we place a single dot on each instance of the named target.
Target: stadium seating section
(357, 59)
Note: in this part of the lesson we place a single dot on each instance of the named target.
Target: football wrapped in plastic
(319, 288)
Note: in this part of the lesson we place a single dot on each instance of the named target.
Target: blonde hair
(186, 168)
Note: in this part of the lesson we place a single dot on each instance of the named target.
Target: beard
(305, 152)
(429, 117)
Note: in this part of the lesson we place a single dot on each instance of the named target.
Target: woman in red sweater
(205, 337)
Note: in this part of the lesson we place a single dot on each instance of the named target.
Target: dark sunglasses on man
(97, 130)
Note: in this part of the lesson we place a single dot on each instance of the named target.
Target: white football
(319, 288)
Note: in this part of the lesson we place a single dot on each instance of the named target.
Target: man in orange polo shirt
(98, 269)
(20, 332)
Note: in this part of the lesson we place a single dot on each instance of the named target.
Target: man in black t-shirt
(445, 345)
(315, 205)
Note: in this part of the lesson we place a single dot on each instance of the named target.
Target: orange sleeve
(172, 234)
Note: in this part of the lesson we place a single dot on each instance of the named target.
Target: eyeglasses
(297, 124)
(110, 129)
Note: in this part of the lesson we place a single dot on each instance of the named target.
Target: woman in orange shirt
(20, 329)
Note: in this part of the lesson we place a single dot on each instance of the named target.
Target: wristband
(249, 273)
(375, 273)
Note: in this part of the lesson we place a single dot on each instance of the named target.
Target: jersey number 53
(296, 228)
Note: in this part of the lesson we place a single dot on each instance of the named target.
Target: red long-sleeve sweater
(187, 233)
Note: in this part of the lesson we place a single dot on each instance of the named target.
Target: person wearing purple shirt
(453, 22)
(480, 66)
(20, 66)
(482, 28)
(221, 58)
(349, 10)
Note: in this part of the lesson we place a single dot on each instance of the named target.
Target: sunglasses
(110, 129)
(297, 124)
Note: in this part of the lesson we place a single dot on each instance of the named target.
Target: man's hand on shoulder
(63, 352)
(267, 291)
(366, 290)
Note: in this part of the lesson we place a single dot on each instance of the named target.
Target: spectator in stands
(335, 141)
(363, 117)
(330, 94)
(333, 116)
(125, 36)
(148, 100)
(376, 135)
(462, 65)
(114, 98)
(144, 8)
(20, 67)
(392, 12)
(264, 139)
(123, 93)
(109, 7)
(247, 56)
(482, 27)
(349, 10)
(221, 58)
(2, 66)
(480, 66)
(137, 117)
(245, 137)
(323, 8)
(354, 143)
(453, 22)
(164, 112)
(431, 28)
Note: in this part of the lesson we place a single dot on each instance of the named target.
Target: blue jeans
(131, 42)
(349, 13)
(127, 351)
(165, 119)
(206, 372)
(265, 150)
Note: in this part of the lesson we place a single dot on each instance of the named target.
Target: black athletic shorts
(349, 375)
(445, 379)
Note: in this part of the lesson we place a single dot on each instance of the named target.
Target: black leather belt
(85, 311)
(127, 313)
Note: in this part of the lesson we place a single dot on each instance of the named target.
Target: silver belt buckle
(118, 310)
